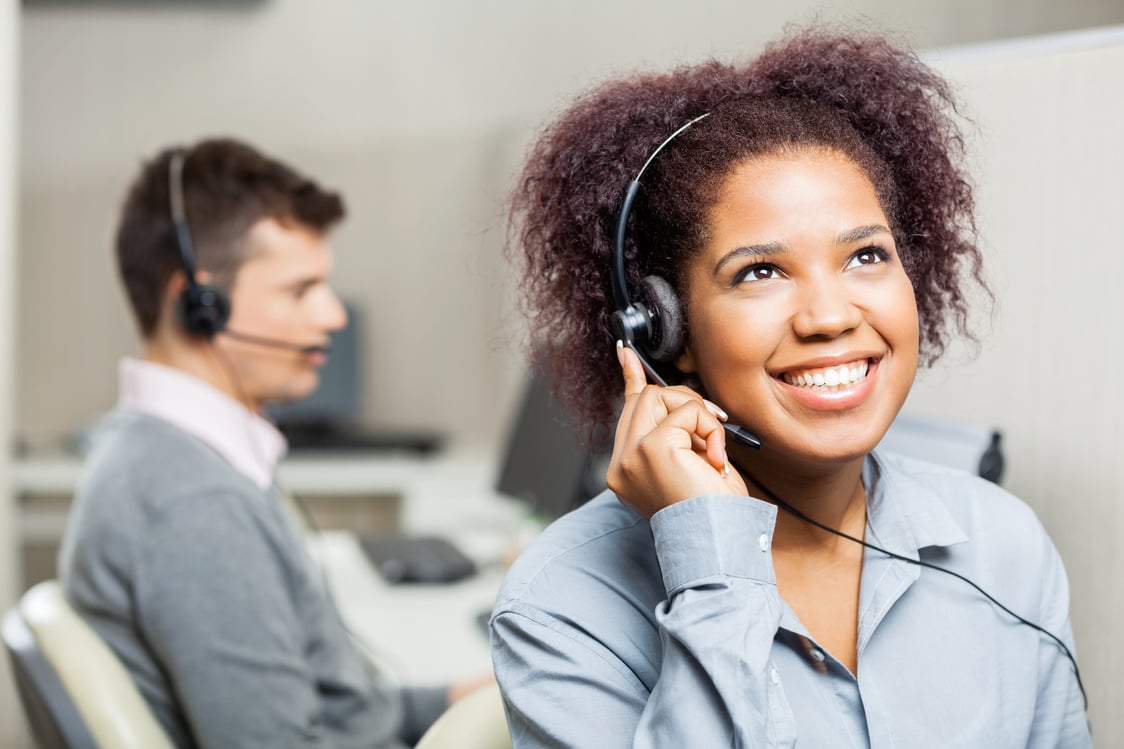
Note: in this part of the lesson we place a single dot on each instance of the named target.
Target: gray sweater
(200, 583)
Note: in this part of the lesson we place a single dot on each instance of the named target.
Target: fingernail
(725, 473)
(714, 409)
(620, 353)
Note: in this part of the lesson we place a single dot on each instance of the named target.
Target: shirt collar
(905, 513)
(248, 442)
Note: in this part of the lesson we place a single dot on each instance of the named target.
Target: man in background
(180, 550)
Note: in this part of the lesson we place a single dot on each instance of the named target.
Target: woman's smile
(836, 387)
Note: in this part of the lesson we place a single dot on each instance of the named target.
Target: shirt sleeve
(717, 685)
(1059, 713)
(214, 593)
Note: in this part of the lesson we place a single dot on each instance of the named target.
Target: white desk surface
(421, 634)
(320, 472)
(429, 633)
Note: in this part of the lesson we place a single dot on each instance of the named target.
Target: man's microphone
(322, 348)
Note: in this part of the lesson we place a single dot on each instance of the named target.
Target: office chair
(475, 721)
(974, 448)
(75, 691)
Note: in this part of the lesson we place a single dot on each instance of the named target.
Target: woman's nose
(826, 309)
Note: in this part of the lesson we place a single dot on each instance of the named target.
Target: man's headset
(654, 330)
(204, 309)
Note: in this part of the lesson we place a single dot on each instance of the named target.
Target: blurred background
(420, 112)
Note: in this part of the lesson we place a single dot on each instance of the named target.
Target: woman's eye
(759, 272)
(868, 256)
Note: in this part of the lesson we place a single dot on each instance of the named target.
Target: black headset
(202, 309)
(655, 329)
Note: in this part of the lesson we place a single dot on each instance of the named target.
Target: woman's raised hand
(669, 445)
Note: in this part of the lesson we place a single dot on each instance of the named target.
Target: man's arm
(215, 605)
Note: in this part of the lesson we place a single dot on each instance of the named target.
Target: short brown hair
(228, 187)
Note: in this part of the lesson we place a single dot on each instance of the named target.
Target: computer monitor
(330, 418)
(545, 464)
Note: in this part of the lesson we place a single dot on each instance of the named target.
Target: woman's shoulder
(980, 508)
(602, 545)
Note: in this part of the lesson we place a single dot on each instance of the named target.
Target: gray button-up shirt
(613, 631)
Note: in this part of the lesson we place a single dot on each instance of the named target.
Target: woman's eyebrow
(753, 250)
(850, 236)
(860, 233)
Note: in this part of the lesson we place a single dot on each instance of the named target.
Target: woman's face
(802, 321)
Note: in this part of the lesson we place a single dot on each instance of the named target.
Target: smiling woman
(800, 265)
(803, 240)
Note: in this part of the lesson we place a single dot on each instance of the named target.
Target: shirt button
(816, 654)
(763, 541)
(774, 676)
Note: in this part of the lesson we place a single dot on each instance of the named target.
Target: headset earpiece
(655, 331)
(203, 309)
(667, 332)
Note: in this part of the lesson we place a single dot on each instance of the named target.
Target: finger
(631, 391)
(714, 448)
(716, 451)
(711, 406)
(643, 413)
(634, 377)
(715, 409)
(714, 435)
(698, 429)
(653, 404)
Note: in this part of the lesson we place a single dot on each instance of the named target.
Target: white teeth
(830, 377)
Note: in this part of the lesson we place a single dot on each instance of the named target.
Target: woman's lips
(831, 388)
(842, 375)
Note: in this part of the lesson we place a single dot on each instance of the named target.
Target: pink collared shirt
(249, 442)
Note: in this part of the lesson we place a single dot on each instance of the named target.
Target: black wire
(793, 511)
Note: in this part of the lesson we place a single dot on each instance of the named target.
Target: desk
(314, 472)
(429, 633)
(424, 634)
(421, 483)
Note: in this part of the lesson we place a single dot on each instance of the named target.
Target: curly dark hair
(859, 95)
(228, 187)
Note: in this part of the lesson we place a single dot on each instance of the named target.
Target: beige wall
(418, 111)
(11, 721)
(1050, 171)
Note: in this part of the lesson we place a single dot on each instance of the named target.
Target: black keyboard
(337, 438)
(416, 559)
